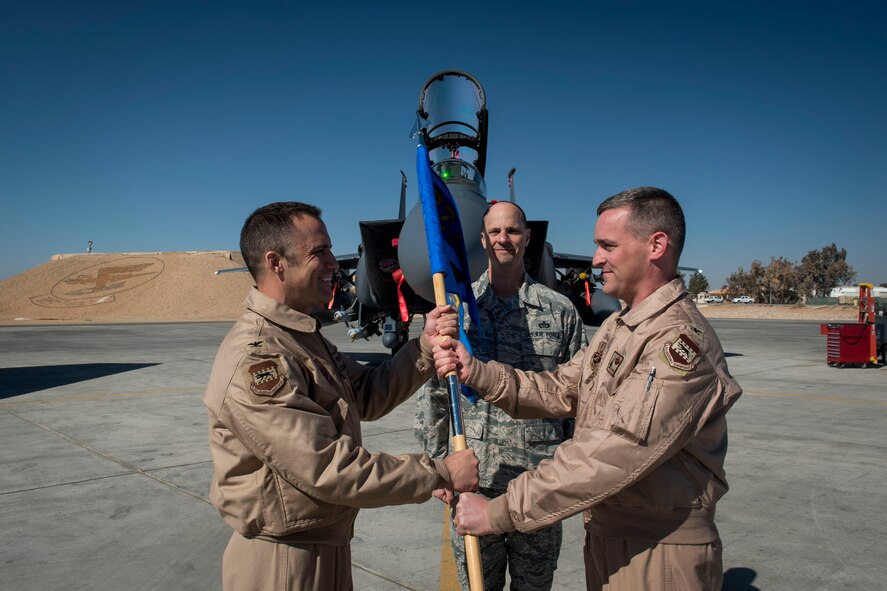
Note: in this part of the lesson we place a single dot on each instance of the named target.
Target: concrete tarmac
(105, 467)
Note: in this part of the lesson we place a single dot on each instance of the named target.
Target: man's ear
(483, 239)
(658, 245)
(527, 237)
(273, 262)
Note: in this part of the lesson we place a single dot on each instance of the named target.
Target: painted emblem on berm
(101, 283)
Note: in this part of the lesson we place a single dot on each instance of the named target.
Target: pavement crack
(376, 573)
(123, 463)
(57, 485)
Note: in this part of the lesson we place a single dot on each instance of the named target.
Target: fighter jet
(391, 279)
(379, 290)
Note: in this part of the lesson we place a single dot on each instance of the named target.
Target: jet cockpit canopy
(453, 119)
(454, 171)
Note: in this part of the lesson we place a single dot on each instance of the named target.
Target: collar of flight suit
(279, 313)
(487, 298)
(654, 303)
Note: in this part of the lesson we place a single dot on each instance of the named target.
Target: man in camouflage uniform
(532, 327)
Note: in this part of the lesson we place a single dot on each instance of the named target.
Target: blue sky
(159, 126)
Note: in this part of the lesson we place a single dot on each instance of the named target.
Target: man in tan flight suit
(284, 418)
(650, 395)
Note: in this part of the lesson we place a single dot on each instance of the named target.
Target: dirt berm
(183, 287)
(127, 287)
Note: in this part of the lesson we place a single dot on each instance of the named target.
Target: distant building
(852, 291)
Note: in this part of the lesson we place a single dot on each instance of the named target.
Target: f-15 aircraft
(389, 280)
(378, 290)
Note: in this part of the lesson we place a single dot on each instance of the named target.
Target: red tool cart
(859, 343)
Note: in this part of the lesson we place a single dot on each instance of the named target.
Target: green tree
(698, 283)
(822, 270)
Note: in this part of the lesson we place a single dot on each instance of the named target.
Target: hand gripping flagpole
(439, 269)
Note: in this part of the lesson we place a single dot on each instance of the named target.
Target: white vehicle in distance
(744, 300)
(713, 299)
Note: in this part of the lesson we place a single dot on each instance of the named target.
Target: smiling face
(505, 235)
(622, 257)
(308, 266)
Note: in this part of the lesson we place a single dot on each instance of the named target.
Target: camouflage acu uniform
(536, 329)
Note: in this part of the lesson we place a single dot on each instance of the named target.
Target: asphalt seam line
(133, 469)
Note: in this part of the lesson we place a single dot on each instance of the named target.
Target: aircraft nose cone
(412, 249)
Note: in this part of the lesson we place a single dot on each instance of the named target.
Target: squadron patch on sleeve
(265, 378)
(682, 353)
(615, 361)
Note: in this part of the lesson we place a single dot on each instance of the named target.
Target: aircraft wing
(571, 261)
(348, 261)
(576, 280)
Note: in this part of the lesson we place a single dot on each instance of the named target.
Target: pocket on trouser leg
(532, 557)
(695, 567)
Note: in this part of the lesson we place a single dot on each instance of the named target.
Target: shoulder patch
(682, 353)
(265, 377)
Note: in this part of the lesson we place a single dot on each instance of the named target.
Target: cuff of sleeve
(486, 377)
(425, 345)
(442, 472)
(500, 518)
(420, 349)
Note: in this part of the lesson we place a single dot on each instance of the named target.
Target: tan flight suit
(289, 470)
(645, 464)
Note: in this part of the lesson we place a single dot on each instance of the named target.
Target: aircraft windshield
(451, 104)
(459, 171)
(453, 117)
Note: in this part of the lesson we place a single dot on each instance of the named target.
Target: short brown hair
(271, 228)
(651, 210)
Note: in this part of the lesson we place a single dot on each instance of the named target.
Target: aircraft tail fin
(402, 213)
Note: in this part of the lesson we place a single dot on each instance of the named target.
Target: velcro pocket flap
(630, 411)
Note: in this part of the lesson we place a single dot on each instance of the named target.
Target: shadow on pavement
(739, 579)
(15, 381)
